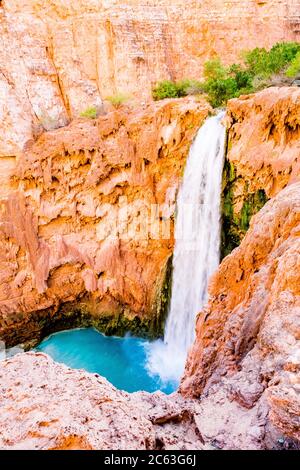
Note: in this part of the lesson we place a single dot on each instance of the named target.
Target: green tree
(165, 89)
(219, 91)
(294, 67)
(214, 70)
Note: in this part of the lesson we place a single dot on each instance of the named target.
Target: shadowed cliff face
(58, 58)
(87, 222)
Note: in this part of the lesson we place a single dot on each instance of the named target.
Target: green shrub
(282, 54)
(263, 63)
(257, 61)
(219, 91)
(294, 67)
(182, 87)
(242, 76)
(165, 89)
(169, 89)
(90, 112)
(214, 70)
(118, 99)
(222, 83)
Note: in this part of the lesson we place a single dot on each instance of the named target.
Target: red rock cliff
(248, 335)
(244, 365)
(57, 58)
(262, 157)
(87, 221)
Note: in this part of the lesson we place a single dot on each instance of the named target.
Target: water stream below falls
(197, 248)
(133, 364)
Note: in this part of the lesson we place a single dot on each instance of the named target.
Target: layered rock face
(87, 222)
(244, 365)
(248, 335)
(262, 157)
(58, 58)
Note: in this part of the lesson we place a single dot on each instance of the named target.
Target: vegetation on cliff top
(256, 71)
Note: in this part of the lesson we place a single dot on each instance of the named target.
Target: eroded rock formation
(85, 412)
(71, 409)
(248, 335)
(262, 158)
(58, 58)
(242, 378)
(87, 222)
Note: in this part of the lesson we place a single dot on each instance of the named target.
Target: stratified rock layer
(87, 222)
(248, 335)
(244, 365)
(58, 58)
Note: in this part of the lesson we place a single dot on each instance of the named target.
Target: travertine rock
(58, 58)
(72, 409)
(264, 139)
(54, 407)
(262, 158)
(248, 335)
(244, 365)
(87, 221)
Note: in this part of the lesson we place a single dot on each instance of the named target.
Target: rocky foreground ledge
(45, 405)
(241, 386)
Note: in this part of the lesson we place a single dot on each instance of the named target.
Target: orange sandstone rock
(87, 221)
(262, 158)
(59, 58)
(264, 140)
(248, 335)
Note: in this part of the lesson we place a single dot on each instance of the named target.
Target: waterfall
(197, 247)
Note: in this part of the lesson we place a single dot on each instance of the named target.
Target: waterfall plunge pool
(134, 364)
(122, 361)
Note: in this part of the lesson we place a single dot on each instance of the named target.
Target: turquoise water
(122, 361)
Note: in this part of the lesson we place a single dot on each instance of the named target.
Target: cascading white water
(197, 246)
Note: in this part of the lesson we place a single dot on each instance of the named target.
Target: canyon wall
(244, 366)
(262, 156)
(87, 222)
(58, 58)
(248, 336)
